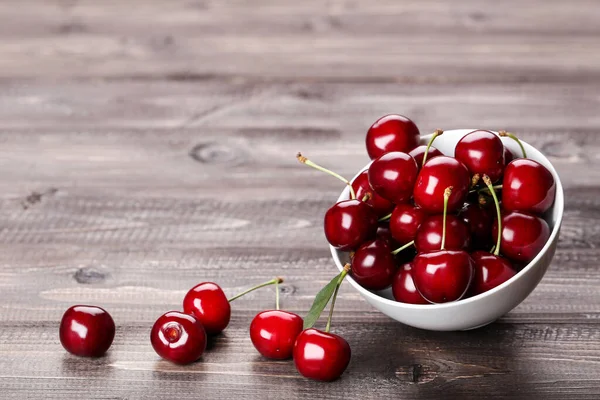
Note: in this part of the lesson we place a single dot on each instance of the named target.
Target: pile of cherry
(438, 228)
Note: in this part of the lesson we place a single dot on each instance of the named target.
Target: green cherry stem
(488, 182)
(406, 246)
(335, 293)
(437, 133)
(385, 218)
(306, 161)
(447, 194)
(277, 295)
(516, 139)
(273, 281)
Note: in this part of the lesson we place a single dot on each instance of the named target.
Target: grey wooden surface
(148, 146)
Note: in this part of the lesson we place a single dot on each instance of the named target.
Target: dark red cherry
(350, 223)
(383, 233)
(393, 176)
(321, 356)
(508, 155)
(482, 152)
(418, 152)
(479, 220)
(208, 303)
(403, 286)
(405, 221)
(178, 337)
(523, 235)
(86, 331)
(527, 186)
(361, 187)
(444, 275)
(373, 265)
(273, 333)
(490, 271)
(429, 234)
(391, 133)
(438, 174)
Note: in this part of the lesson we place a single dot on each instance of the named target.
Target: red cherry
(490, 271)
(321, 356)
(86, 331)
(429, 234)
(527, 186)
(479, 220)
(391, 133)
(405, 221)
(178, 337)
(444, 275)
(418, 152)
(508, 155)
(482, 152)
(361, 187)
(373, 265)
(208, 303)
(383, 233)
(350, 223)
(435, 176)
(273, 333)
(393, 176)
(403, 286)
(523, 235)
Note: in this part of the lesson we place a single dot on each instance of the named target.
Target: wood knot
(89, 275)
(215, 153)
(416, 374)
(287, 289)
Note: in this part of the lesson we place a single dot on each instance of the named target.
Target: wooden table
(148, 146)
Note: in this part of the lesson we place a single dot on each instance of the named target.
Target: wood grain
(147, 146)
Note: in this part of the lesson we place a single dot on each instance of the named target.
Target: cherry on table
(86, 331)
(527, 186)
(435, 176)
(404, 222)
(361, 187)
(523, 235)
(391, 133)
(350, 223)
(393, 176)
(321, 355)
(373, 265)
(403, 286)
(178, 337)
(274, 332)
(482, 152)
(429, 235)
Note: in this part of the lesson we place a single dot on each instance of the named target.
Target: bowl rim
(558, 202)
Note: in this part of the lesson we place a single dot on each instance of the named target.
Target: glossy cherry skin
(391, 133)
(419, 152)
(482, 152)
(403, 286)
(436, 175)
(444, 275)
(490, 271)
(384, 233)
(405, 221)
(208, 303)
(523, 236)
(273, 333)
(373, 265)
(361, 187)
(350, 223)
(479, 220)
(86, 331)
(527, 186)
(429, 234)
(320, 355)
(508, 156)
(178, 337)
(393, 176)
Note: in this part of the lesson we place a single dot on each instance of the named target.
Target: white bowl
(485, 308)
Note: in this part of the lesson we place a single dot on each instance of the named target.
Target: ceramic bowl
(485, 308)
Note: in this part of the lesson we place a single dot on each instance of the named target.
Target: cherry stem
(385, 218)
(437, 133)
(406, 246)
(475, 180)
(366, 197)
(516, 139)
(447, 194)
(273, 281)
(488, 182)
(306, 161)
(277, 295)
(485, 189)
(335, 293)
